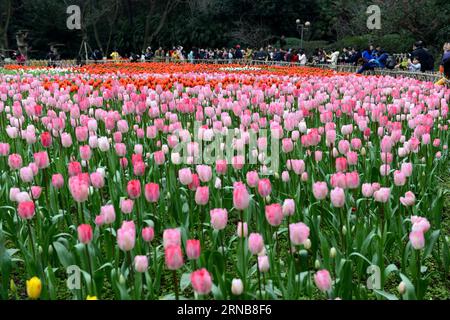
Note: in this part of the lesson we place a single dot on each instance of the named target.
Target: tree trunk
(4, 28)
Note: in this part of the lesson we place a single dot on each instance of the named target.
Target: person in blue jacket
(379, 62)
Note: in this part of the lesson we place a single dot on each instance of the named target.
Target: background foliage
(131, 25)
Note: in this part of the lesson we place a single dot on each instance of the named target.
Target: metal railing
(424, 76)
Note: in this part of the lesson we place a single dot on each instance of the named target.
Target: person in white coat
(302, 58)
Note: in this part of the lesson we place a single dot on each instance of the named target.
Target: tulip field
(151, 181)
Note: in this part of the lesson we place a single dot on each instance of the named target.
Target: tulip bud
(12, 286)
(268, 199)
(237, 287)
(344, 230)
(122, 280)
(401, 288)
(363, 151)
(40, 250)
(332, 252)
(317, 264)
(307, 244)
(50, 249)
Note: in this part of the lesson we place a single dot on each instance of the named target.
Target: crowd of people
(370, 58)
(225, 55)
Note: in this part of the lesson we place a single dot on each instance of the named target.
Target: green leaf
(432, 240)
(65, 257)
(410, 293)
(385, 294)
(185, 281)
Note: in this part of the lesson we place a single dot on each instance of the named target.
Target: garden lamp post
(301, 27)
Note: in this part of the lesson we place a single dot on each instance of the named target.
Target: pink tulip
(81, 133)
(57, 181)
(126, 206)
(252, 178)
(202, 195)
(66, 140)
(322, 279)
(337, 196)
(97, 180)
(241, 198)
(298, 166)
(338, 179)
(173, 257)
(193, 249)
(15, 161)
(159, 157)
(108, 213)
(255, 243)
(4, 149)
(13, 192)
(26, 174)
(195, 182)
(139, 168)
(299, 233)
(343, 147)
(263, 263)
(185, 176)
(84, 233)
(274, 214)
(140, 263)
(201, 281)
(420, 224)
(36, 192)
(320, 190)
(399, 178)
(152, 192)
(148, 234)
(341, 164)
(407, 169)
(384, 170)
(126, 236)
(134, 189)
(287, 145)
(382, 195)
(85, 153)
(288, 207)
(408, 200)
(46, 139)
(74, 168)
(79, 188)
(367, 190)
(25, 210)
(264, 187)
(219, 218)
(204, 173)
(171, 237)
(41, 159)
(386, 144)
(352, 180)
(352, 158)
(417, 239)
(221, 167)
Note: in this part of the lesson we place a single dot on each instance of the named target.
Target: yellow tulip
(12, 286)
(91, 298)
(34, 288)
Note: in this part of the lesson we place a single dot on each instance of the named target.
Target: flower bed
(151, 181)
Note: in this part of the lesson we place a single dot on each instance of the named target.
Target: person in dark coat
(425, 58)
